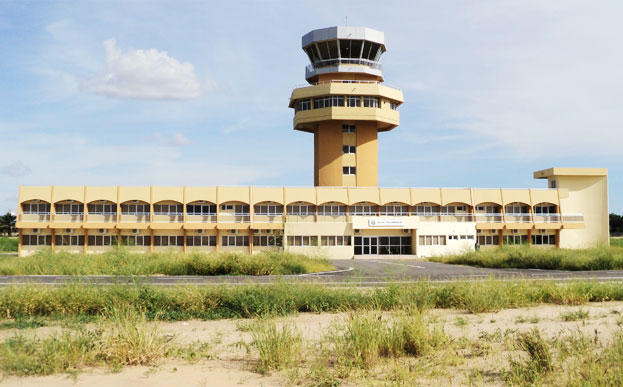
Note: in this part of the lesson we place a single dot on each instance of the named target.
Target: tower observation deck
(345, 104)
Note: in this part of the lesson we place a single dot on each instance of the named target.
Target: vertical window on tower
(393, 105)
(349, 170)
(372, 102)
(348, 128)
(348, 149)
(304, 104)
(353, 101)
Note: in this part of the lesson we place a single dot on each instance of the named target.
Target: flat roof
(546, 173)
(343, 32)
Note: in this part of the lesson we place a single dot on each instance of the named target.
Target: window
(516, 209)
(348, 128)
(432, 240)
(465, 237)
(267, 240)
(36, 240)
(227, 207)
(488, 209)
(489, 240)
(364, 210)
(328, 101)
(135, 209)
(302, 240)
(69, 209)
(353, 101)
(70, 240)
(168, 209)
(393, 105)
(448, 210)
(349, 170)
(453, 237)
(348, 149)
(332, 210)
(372, 102)
(239, 209)
(394, 210)
(36, 208)
(335, 240)
(304, 104)
(102, 209)
(203, 209)
(480, 208)
(394, 245)
(426, 210)
(268, 210)
(235, 240)
(544, 209)
(515, 239)
(168, 240)
(135, 240)
(543, 239)
(301, 210)
(198, 241)
(552, 184)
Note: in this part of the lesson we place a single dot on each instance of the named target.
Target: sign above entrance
(386, 223)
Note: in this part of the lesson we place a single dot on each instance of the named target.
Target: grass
(8, 244)
(524, 257)
(277, 347)
(574, 315)
(124, 338)
(123, 262)
(616, 241)
(281, 299)
(537, 363)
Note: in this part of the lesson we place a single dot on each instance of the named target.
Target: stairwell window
(349, 170)
(348, 128)
(349, 149)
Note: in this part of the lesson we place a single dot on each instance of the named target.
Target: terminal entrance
(382, 245)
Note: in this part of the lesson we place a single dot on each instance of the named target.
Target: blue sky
(196, 93)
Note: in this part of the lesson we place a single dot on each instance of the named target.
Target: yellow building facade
(345, 106)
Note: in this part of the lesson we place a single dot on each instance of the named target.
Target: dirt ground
(229, 365)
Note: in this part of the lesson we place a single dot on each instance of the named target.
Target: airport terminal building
(345, 105)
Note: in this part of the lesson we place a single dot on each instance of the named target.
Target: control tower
(346, 104)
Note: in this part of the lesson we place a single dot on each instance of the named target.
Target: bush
(8, 244)
(123, 262)
(524, 257)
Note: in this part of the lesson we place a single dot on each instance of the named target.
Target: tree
(616, 223)
(7, 223)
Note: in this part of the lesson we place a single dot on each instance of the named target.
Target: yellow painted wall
(329, 153)
(367, 154)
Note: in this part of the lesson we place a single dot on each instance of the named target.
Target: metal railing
(204, 218)
(572, 218)
(233, 218)
(34, 217)
(519, 218)
(546, 218)
(264, 218)
(172, 218)
(489, 218)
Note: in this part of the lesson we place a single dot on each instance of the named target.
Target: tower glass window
(348, 149)
(353, 101)
(304, 104)
(372, 102)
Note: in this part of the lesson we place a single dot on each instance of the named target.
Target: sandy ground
(230, 364)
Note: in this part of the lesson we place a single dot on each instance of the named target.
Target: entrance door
(366, 245)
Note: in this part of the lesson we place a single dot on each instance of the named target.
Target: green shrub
(277, 347)
(123, 262)
(8, 244)
(524, 257)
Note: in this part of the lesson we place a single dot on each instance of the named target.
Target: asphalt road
(360, 272)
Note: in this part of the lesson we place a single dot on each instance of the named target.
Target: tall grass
(365, 338)
(523, 257)
(123, 262)
(8, 244)
(277, 347)
(280, 299)
(616, 242)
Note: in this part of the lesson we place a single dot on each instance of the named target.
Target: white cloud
(16, 169)
(177, 140)
(144, 74)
